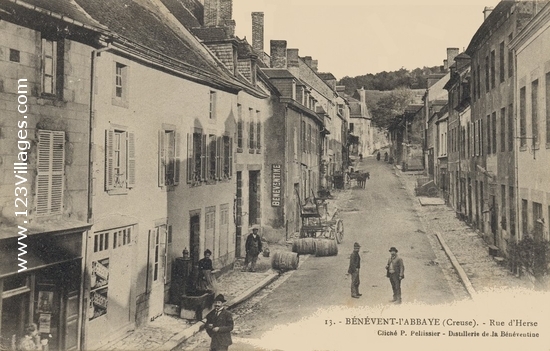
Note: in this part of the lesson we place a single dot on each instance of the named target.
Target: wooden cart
(319, 222)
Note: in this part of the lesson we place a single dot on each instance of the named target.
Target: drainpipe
(83, 300)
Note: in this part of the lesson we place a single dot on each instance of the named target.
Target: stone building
(45, 51)
(492, 168)
(532, 56)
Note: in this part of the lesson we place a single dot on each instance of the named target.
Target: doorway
(254, 197)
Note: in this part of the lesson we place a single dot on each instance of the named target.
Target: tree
(391, 107)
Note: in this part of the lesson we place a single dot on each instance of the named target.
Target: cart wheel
(339, 231)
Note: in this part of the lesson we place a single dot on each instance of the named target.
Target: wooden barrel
(304, 246)
(285, 260)
(326, 247)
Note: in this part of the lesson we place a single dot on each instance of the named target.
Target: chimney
(292, 58)
(278, 53)
(487, 11)
(314, 65)
(226, 10)
(363, 95)
(307, 60)
(445, 65)
(258, 33)
(218, 13)
(451, 54)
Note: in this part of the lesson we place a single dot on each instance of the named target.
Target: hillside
(383, 81)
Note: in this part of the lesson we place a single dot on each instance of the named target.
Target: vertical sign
(276, 185)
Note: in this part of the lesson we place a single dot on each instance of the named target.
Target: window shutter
(168, 257)
(162, 159)
(131, 137)
(109, 137)
(258, 136)
(56, 186)
(230, 157)
(204, 157)
(44, 172)
(219, 158)
(190, 157)
(177, 153)
(151, 263)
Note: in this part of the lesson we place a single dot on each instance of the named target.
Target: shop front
(44, 290)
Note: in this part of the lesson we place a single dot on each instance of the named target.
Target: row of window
(254, 128)
(534, 108)
(490, 73)
(469, 140)
(120, 237)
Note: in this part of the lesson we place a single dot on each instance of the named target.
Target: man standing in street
(396, 272)
(354, 265)
(219, 324)
(253, 248)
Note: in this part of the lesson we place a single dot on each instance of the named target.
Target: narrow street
(378, 217)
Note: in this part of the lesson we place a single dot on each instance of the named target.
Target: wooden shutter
(109, 138)
(131, 139)
(168, 256)
(204, 157)
(219, 158)
(177, 157)
(162, 159)
(190, 157)
(58, 161)
(151, 261)
(258, 135)
(43, 172)
(230, 157)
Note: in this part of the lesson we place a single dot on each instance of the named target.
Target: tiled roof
(188, 12)
(278, 73)
(326, 76)
(140, 25)
(66, 8)
(210, 33)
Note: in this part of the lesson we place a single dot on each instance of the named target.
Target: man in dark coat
(219, 324)
(354, 265)
(253, 248)
(396, 272)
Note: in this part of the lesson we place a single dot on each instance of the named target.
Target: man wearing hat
(219, 324)
(253, 248)
(354, 265)
(396, 272)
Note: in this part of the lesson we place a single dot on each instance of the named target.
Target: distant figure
(354, 265)
(386, 156)
(31, 340)
(360, 157)
(396, 272)
(253, 248)
(219, 324)
(378, 156)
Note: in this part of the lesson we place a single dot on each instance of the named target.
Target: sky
(356, 37)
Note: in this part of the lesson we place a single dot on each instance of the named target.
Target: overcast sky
(355, 37)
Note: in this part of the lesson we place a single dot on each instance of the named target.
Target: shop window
(50, 172)
(120, 161)
(99, 285)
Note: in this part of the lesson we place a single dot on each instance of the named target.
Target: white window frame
(169, 157)
(49, 69)
(120, 160)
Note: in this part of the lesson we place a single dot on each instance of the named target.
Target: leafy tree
(391, 107)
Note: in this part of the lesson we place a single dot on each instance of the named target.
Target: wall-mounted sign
(276, 185)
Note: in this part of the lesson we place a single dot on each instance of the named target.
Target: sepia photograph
(274, 175)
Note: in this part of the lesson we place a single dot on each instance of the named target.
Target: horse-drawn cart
(320, 221)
